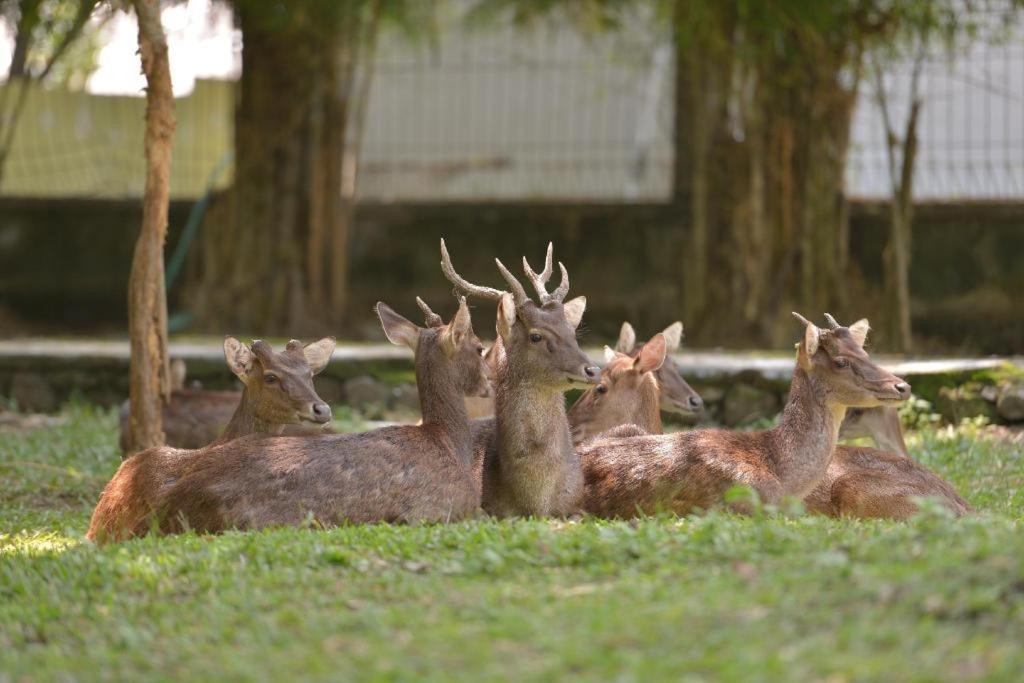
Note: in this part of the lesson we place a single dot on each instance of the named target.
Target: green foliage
(917, 413)
(770, 596)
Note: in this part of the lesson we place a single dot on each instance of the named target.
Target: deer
(677, 396)
(859, 482)
(687, 471)
(400, 474)
(880, 424)
(194, 417)
(278, 392)
(523, 456)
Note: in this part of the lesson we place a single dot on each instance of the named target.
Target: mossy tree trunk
(282, 240)
(761, 150)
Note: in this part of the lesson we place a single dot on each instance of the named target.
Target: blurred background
(721, 163)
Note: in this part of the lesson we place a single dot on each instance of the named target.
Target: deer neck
(807, 435)
(647, 415)
(534, 443)
(245, 421)
(443, 407)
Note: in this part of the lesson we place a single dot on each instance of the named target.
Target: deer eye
(481, 350)
(270, 378)
(841, 363)
(535, 337)
(602, 388)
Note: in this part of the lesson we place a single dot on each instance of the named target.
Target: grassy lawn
(716, 597)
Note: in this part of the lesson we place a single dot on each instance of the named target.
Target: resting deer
(881, 425)
(859, 482)
(395, 474)
(278, 392)
(194, 417)
(524, 455)
(677, 396)
(692, 470)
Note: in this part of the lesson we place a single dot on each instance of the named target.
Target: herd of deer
(606, 456)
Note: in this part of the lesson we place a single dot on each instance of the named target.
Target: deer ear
(673, 336)
(506, 316)
(652, 354)
(609, 354)
(398, 330)
(812, 335)
(318, 354)
(457, 330)
(859, 331)
(573, 310)
(627, 339)
(239, 358)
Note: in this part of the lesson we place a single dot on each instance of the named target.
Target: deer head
(453, 346)
(538, 339)
(627, 393)
(279, 386)
(677, 396)
(835, 356)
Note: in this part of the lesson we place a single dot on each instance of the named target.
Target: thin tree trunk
(147, 298)
(902, 220)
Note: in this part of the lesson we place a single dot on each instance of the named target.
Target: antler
(539, 281)
(458, 281)
(804, 321)
(432, 319)
(518, 293)
(832, 321)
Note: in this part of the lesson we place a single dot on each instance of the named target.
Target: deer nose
(592, 372)
(903, 389)
(696, 403)
(322, 412)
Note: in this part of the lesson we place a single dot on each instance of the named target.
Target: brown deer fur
(278, 391)
(880, 424)
(692, 470)
(859, 482)
(395, 474)
(523, 456)
(677, 396)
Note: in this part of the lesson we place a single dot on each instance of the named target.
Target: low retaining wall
(40, 375)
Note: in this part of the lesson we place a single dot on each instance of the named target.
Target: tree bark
(760, 146)
(283, 240)
(147, 299)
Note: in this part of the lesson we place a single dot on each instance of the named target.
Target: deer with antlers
(859, 482)
(692, 470)
(524, 455)
(402, 474)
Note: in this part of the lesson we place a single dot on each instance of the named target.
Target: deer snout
(695, 403)
(321, 412)
(592, 373)
(902, 388)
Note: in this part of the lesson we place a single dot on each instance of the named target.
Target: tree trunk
(284, 242)
(763, 146)
(147, 300)
(898, 249)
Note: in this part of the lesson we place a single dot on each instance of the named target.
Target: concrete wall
(64, 264)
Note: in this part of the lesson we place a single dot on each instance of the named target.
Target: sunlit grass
(769, 597)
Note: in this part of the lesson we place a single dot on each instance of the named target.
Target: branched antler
(540, 280)
(461, 283)
(518, 293)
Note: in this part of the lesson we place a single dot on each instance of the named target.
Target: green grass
(716, 597)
